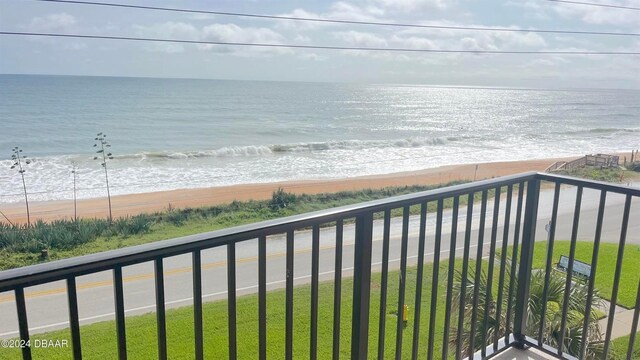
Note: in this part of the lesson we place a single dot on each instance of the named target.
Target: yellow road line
(139, 277)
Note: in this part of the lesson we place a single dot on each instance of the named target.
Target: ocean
(183, 133)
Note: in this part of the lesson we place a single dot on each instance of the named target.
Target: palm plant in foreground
(573, 330)
(101, 143)
(18, 161)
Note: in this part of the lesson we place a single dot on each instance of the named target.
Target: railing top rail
(82, 265)
(590, 184)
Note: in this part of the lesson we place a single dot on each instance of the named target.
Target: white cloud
(346, 11)
(59, 21)
(203, 16)
(300, 25)
(361, 39)
(599, 15)
(312, 56)
(414, 42)
(595, 15)
(302, 39)
(340, 10)
(171, 30)
(520, 39)
(235, 33)
(412, 5)
(228, 33)
(470, 40)
(479, 44)
(168, 30)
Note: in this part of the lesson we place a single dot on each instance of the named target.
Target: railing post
(361, 287)
(526, 257)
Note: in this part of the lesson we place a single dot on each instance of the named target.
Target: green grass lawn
(607, 256)
(99, 340)
(620, 346)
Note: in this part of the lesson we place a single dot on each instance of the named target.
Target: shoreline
(133, 204)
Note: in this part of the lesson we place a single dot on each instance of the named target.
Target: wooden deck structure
(597, 160)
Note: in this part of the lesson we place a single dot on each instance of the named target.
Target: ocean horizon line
(419, 85)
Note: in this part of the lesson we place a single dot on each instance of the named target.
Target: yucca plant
(573, 335)
(19, 160)
(104, 155)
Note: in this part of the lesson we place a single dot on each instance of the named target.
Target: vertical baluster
(23, 323)
(634, 325)
(289, 298)
(161, 325)
(196, 264)
(514, 261)
(231, 301)
(262, 296)
(435, 280)
(526, 260)
(594, 269)
(450, 278)
(74, 321)
(361, 287)
(119, 303)
(315, 254)
(383, 283)
(572, 254)
(418, 299)
(478, 271)
(402, 282)
(503, 266)
(616, 281)
(337, 290)
(465, 271)
(492, 254)
(548, 269)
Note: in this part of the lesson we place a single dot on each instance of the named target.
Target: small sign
(579, 267)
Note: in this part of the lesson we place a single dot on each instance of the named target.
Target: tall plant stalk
(74, 171)
(18, 161)
(101, 143)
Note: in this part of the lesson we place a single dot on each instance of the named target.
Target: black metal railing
(486, 295)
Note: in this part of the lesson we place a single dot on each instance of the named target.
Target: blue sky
(118, 58)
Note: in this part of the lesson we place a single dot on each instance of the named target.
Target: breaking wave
(612, 130)
(258, 150)
(604, 131)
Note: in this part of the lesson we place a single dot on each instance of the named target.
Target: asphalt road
(47, 304)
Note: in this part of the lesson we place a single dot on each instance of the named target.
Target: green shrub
(281, 199)
(177, 218)
(614, 175)
(140, 224)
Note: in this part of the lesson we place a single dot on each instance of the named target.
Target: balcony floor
(530, 354)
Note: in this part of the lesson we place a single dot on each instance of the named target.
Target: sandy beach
(132, 204)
